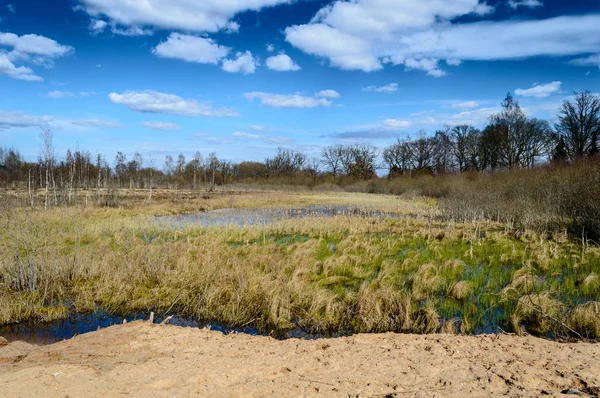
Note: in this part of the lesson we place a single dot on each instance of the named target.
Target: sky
(243, 77)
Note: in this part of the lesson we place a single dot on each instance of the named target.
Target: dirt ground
(140, 359)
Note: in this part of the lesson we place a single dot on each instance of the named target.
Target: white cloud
(395, 124)
(155, 102)
(33, 45)
(103, 123)
(388, 88)
(270, 48)
(282, 63)
(294, 101)
(56, 94)
(540, 90)
(384, 129)
(132, 31)
(476, 117)
(162, 126)
(465, 105)
(430, 65)
(244, 63)
(367, 34)
(9, 119)
(269, 139)
(21, 73)
(257, 128)
(232, 27)
(592, 60)
(31, 48)
(331, 94)
(194, 16)
(191, 49)
(514, 4)
(97, 26)
(344, 51)
(11, 8)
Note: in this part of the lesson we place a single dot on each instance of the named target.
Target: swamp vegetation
(419, 270)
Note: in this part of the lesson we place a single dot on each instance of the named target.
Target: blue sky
(241, 77)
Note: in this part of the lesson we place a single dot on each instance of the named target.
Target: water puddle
(43, 333)
(266, 216)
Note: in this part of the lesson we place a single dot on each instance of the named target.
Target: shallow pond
(265, 216)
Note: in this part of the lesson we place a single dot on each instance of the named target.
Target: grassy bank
(414, 273)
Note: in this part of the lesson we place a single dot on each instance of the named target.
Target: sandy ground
(140, 359)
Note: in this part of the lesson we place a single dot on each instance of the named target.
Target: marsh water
(78, 323)
(265, 216)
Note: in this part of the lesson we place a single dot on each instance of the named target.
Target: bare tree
(332, 158)
(196, 165)
(398, 157)
(313, 166)
(579, 125)
(359, 161)
(180, 168)
(213, 164)
(168, 168)
(120, 167)
(48, 158)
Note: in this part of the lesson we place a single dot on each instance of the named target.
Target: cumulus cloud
(269, 139)
(282, 63)
(33, 45)
(191, 49)
(270, 48)
(193, 16)
(243, 63)
(331, 94)
(293, 101)
(10, 119)
(156, 102)
(540, 90)
(514, 4)
(21, 72)
(111, 124)
(161, 126)
(388, 88)
(368, 34)
(31, 48)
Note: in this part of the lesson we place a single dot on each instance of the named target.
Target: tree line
(510, 140)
